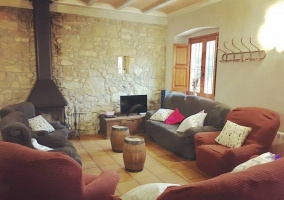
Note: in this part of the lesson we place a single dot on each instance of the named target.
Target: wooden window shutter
(180, 81)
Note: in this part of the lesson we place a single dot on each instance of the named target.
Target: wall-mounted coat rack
(240, 55)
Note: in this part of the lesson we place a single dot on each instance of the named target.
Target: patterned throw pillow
(233, 135)
(263, 158)
(38, 123)
(161, 115)
(175, 117)
(192, 121)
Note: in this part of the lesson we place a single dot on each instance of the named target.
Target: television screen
(133, 104)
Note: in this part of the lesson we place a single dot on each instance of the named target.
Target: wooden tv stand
(135, 123)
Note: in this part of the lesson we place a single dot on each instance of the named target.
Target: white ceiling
(153, 11)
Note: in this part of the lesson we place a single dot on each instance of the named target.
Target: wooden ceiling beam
(91, 2)
(127, 3)
(159, 5)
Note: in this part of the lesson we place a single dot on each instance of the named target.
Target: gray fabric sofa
(183, 143)
(14, 127)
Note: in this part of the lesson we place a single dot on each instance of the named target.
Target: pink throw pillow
(175, 117)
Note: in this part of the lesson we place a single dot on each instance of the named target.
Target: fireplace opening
(52, 113)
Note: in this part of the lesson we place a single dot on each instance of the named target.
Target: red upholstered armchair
(27, 173)
(215, 159)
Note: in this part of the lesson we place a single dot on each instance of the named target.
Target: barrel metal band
(120, 128)
(133, 142)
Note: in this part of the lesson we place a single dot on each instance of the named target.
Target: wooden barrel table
(134, 153)
(118, 134)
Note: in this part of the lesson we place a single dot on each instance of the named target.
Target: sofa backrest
(261, 182)
(264, 123)
(189, 105)
(26, 107)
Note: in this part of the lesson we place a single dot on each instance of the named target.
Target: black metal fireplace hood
(45, 92)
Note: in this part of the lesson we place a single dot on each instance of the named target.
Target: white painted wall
(183, 38)
(255, 83)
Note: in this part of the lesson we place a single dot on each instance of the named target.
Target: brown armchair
(215, 159)
(27, 173)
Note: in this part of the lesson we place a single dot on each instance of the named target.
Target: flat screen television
(133, 104)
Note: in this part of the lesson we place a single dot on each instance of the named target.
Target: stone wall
(17, 55)
(85, 52)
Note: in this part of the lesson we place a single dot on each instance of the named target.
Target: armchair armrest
(149, 113)
(205, 138)
(17, 132)
(114, 197)
(243, 154)
(103, 186)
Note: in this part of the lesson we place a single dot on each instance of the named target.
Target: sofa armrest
(56, 124)
(103, 186)
(16, 132)
(149, 113)
(36, 134)
(244, 153)
(205, 138)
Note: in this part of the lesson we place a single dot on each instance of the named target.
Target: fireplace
(45, 95)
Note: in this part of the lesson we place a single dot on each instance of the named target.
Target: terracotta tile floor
(160, 166)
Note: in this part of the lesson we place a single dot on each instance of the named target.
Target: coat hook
(242, 54)
(256, 48)
(230, 51)
(225, 54)
(250, 57)
(264, 54)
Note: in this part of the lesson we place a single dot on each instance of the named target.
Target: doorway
(202, 65)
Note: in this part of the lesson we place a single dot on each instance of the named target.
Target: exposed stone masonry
(85, 51)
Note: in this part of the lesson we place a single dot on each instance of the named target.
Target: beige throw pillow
(196, 120)
(161, 115)
(233, 135)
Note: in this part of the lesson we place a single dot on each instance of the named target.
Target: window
(202, 69)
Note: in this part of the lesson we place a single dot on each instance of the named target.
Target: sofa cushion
(175, 117)
(233, 135)
(161, 115)
(39, 123)
(26, 107)
(187, 104)
(147, 191)
(216, 117)
(192, 121)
